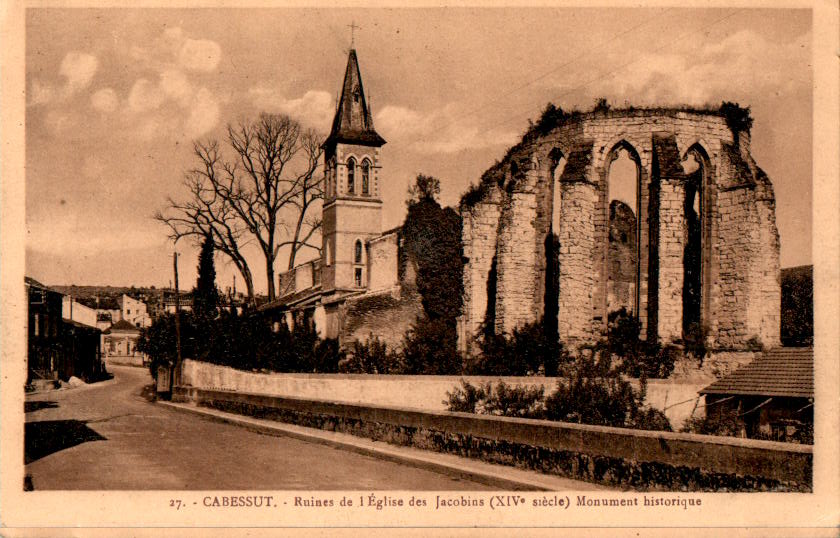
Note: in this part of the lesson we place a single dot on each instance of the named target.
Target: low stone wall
(415, 391)
(127, 360)
(612, 456)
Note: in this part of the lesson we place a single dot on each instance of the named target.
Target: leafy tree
(433, 238)
(159, 343)
(424, 188)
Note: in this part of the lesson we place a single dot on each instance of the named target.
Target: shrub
(650, 419)
(639, 358)
(528, 351)
(724, 422)
(738, 118)
(504, 400)
(593, 393)
(466, 398)
(429, 347)
(371, 357)
(511, 401)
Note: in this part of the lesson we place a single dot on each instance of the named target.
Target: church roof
(353, 122)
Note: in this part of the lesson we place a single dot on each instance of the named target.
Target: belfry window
(358, 252)
(365, 177)
(351, 176)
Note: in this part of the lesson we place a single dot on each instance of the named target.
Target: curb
(493, 475)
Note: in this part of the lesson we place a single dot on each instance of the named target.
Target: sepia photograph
(424, 267)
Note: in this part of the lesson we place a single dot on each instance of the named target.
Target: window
(358, 252)
(358, 277)
(351, 176)
(37, 325)
(365, 177)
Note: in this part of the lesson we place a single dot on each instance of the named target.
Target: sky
(115, 98)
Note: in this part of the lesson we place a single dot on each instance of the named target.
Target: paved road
(108, 436)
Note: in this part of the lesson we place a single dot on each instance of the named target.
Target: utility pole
(177, 369)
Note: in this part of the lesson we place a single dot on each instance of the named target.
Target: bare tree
(261, 195)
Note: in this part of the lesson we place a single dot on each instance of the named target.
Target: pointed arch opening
(623, 178)
(351, 175)
(557, 163)
(365, 177)
(695, 274)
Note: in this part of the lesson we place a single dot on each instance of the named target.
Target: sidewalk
(500, 476)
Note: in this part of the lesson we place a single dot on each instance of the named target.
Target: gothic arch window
(357, 252)
(351, 175)
(365, 177)
(622, 175)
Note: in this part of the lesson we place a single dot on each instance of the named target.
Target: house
(363, 283)
(59, 348)
(134, 311)
(120, 344)
(773, 395)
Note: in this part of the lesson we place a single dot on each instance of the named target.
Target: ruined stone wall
(739, 240)
(480, 225)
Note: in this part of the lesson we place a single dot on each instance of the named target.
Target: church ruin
(694, 254)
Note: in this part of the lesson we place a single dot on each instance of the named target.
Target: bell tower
(352, 211)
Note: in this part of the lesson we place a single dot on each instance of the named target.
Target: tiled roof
(122, 325)
(785, 371)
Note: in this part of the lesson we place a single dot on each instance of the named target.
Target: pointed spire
(353, 122)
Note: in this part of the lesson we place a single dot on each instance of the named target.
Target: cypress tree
(205, 294)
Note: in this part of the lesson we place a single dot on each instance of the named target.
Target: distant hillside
(798, 306)
(106, 296)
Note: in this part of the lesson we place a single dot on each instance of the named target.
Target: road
(108, 436)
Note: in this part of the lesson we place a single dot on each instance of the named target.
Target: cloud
(200, 55)
(176, 85)
(144, 96)
(173, 49)
(78, 68)
(402, 120)
(438, 131)
(314, 109)
(744, 63)
(104, 100)
(204, 114)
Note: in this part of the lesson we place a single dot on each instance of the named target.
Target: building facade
(361, 269)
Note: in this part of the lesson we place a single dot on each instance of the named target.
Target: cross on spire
(353, 27)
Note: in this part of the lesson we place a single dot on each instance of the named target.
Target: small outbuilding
(773, 395)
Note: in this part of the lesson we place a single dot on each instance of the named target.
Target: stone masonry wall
(672, 237)
(740, 250)
(577, 243)
(480, 225)
(516, 262)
